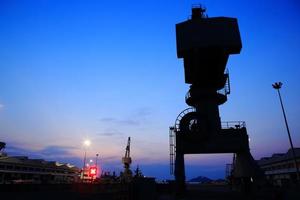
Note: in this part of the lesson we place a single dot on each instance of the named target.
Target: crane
(126, 160)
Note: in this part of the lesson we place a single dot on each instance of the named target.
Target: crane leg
(180, 174)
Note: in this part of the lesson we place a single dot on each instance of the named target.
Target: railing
(233, 124)
(224, 91)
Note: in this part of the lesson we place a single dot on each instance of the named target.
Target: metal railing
(224, 91)
(233, 124)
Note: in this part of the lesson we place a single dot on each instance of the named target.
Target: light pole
(97, 159)
(277, 86)
(86, 144)
(97, 164)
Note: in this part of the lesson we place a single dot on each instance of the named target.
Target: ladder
(172, 148)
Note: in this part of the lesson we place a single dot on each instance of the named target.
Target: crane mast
(127, 152)
(126, 160)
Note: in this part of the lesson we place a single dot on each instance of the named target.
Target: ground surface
(126, 192)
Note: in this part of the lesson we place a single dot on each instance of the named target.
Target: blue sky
(106, 70)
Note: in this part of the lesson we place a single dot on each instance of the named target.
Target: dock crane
(126, 160)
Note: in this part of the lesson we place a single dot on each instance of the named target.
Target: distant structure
(2, 145)
(205, 45)
(280, 168)
(138, 173)
(126, 160)
(21, 169)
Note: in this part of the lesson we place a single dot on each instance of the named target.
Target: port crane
(126, 160)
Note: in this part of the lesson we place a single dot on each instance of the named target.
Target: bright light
(87, 165)
(87, 143)
(93, 171)
(91, 160)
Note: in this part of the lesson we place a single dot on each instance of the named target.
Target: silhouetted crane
(126, 160)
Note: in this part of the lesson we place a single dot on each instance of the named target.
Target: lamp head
(277, 85)
(87, 143)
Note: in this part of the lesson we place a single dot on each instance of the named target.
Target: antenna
(198, 11)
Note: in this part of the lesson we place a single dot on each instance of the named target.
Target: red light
(93, 171)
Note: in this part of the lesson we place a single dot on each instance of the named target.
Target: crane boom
(126, 160)
(127, 152)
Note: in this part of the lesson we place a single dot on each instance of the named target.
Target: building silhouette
(280, 168)
(21, 169)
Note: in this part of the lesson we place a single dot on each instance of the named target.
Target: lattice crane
(126, 160)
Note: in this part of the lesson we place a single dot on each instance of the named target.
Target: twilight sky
(106, 70)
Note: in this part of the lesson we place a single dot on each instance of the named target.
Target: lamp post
(86, 144)
(97, 159)
(277, 87)
(97, 164)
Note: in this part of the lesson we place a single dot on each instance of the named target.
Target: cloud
(60, 154)
(110, 132)
(107, 119)
(15, 151)
(107, 134)
(136, 119)
(1, 106)
(61, 151)
(143, 112)
(129, 122)
(111, 159)
(48, 152)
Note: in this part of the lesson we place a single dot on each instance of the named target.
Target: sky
(107, 70)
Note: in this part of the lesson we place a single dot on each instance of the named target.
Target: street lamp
(97, 159)
(277, 87)
(86, 144)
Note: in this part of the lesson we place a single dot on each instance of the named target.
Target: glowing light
(91, 160)
(87, 143)
(93, 171)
